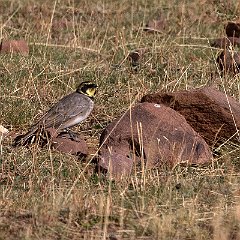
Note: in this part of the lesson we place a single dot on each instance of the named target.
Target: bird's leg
(72, 135)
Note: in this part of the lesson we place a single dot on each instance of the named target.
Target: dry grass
(49, 195)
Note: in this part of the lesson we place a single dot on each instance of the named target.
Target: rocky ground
(168, 75)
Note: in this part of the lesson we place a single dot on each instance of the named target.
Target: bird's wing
(67, 108)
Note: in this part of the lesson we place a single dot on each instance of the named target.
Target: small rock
(233, 29)
(14, 46)
(66, 142)
(135, 57)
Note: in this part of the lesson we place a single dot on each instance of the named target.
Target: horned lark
(66, 113)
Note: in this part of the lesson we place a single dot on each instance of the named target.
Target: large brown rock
(152, 134)
(213, 114)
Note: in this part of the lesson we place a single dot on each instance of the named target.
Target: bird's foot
(67, 133)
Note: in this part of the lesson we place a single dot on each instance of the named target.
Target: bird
(66, 113)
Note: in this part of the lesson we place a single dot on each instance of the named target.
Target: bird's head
(87, 88)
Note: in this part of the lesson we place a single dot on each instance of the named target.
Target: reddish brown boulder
(229, 62)
(14, 46)
(152, 134)
(225, 42)
(211, 113)
(233, 29)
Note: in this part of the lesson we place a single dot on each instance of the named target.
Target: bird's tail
(38, 134)
(25, 139)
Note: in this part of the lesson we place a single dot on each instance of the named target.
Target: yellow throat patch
(91, 92)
